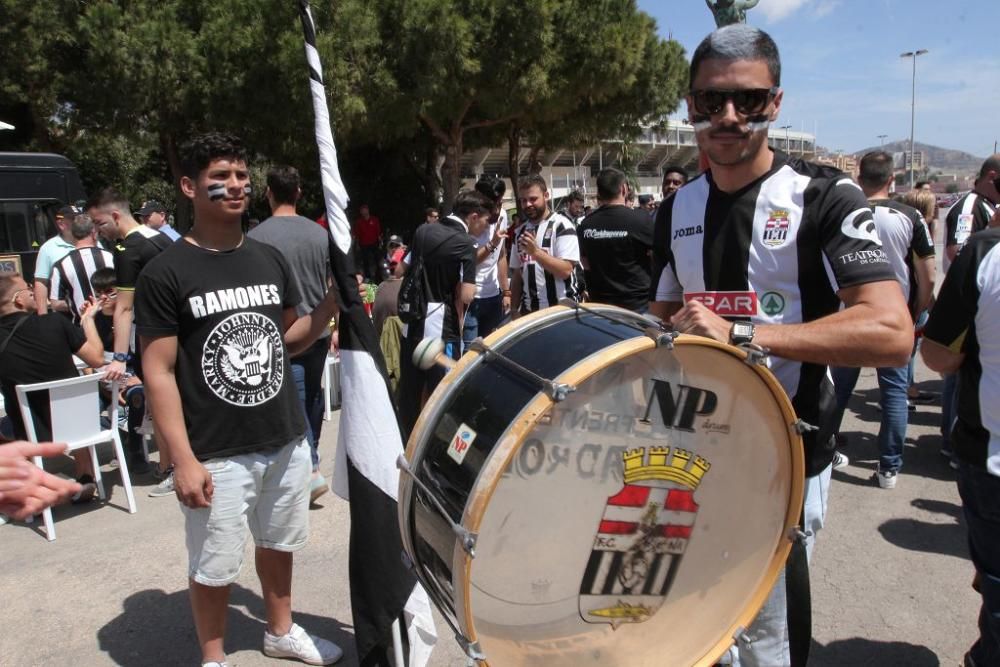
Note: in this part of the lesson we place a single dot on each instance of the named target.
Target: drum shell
(500, 455)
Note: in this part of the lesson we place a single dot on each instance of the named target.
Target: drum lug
(662, 338)
(802, 427)
(756, 355)
(472, 649)
(559, 392)
(795, 534)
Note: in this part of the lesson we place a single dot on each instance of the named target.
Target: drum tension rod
(557, 391)
(465, 537)
(662, 337)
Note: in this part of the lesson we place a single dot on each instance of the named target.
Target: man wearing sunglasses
(763, 249)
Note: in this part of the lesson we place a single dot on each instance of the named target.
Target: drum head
(640, 522)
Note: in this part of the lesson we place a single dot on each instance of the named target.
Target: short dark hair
(532, 181)
(492, 187)
(575, 195)
(81, 226)
(198, 152)
(429, 210)
(471, 201)
(103, 280)
(109, 197)
(875, 169)
(283, 182)
(920, 184)
(737, 42)
(609, 183)
(992, 163)
(676, 169)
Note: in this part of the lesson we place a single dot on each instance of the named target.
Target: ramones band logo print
(243, 359)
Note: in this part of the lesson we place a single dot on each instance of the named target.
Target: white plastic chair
(75, 407)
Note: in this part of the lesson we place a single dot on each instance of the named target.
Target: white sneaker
(302, 646)
(164, 488)
(887, 479)
(215, 664)
(840, 460)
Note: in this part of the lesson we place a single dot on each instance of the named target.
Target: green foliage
(119, 85)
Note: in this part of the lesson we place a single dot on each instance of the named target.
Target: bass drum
(641, 520)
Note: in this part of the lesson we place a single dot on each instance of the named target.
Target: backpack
(415, 290)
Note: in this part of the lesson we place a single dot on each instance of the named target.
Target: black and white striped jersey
(555, 235)
(970, 214)
(966, 318)
(774, 252)
(71, 276)
(905, 237)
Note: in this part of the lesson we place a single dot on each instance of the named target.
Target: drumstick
(430, 351)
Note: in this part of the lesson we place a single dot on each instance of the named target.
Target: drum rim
(509, 446)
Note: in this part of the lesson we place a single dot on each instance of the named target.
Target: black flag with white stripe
(369, 441)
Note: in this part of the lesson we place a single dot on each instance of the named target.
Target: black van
(32, 188)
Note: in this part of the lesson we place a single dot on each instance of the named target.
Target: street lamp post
(881, 139)
(788, 148)
(913, 103)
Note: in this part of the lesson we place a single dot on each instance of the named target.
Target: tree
(472, 71)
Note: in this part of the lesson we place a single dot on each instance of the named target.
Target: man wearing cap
(51, 252)
(154, 215)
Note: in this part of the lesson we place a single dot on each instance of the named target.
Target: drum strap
(798, 603)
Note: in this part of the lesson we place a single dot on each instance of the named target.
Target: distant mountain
(938, 159)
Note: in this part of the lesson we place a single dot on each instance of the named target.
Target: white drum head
(640, 522)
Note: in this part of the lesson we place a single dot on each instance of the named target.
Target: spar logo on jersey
(726, 304)
(776, 228)
(243, 359)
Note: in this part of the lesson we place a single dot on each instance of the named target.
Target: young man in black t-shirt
(448, 251)
(216, 318)
(615, 242)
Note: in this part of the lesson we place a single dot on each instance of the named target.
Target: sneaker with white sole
(887, 479)
(317, 487)
(840, 460)
(164, 488)
(301, 645)
(215, 663)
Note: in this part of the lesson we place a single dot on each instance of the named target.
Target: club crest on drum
(642, 536)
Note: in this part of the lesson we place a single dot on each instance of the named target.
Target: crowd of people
(761, 248)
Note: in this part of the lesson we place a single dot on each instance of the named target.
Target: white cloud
(775, 10)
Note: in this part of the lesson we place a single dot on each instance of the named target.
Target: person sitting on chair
(40, 348)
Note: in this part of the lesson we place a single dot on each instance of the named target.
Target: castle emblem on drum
(642, 536)
(776, 228)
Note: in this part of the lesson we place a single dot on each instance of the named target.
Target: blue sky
(843, 77)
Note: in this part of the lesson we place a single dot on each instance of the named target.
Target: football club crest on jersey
(642, 536)
(776, 228)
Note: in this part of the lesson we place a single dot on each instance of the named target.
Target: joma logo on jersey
(687, 231)
(681, 406)
(776, 228)
(727, 304)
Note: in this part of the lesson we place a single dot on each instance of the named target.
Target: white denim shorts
(269, 490)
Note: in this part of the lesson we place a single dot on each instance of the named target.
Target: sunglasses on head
(747, 101)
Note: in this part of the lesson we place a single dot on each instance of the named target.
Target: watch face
(742, 329)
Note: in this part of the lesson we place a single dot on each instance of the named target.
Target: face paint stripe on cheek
(216, 191)
(247, 190)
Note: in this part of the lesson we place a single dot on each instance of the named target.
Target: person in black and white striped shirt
(546, 252)
(70, 279)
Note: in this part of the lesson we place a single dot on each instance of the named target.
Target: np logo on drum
(461, 443)
(642, 536)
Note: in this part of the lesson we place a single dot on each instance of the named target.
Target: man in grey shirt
(306, 248)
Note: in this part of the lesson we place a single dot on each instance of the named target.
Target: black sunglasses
(748, 101)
